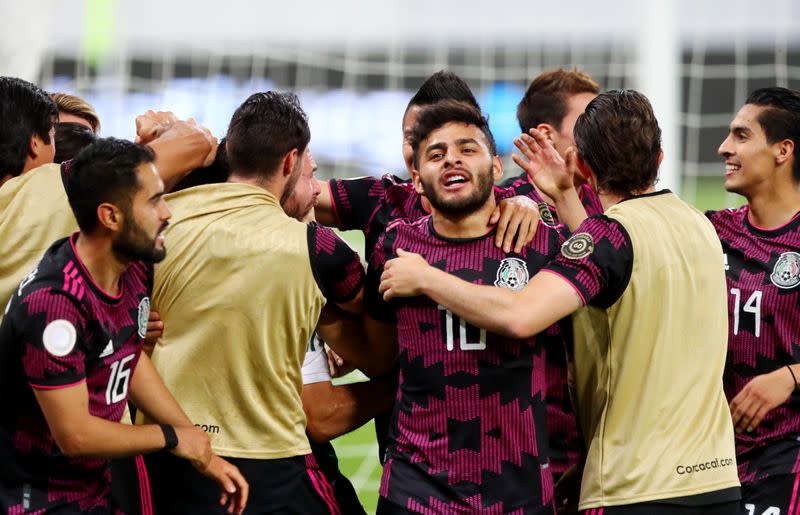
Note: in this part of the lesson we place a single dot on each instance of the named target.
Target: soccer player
(70, 349)
(468, 431)
(34, 211)
(240, 294)
(646, 283)
(551, 105)
(370, 204)
(762, 264)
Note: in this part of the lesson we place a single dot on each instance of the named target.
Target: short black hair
(441, 113)
(442, 85)
(263, 129)
(216, 172)
(105, 171)
(25, 111)
(71, 138)
(781, 118)
(619, 138)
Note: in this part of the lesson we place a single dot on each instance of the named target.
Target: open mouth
(455, 180)
(731, 168)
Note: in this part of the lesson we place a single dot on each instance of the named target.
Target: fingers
(526, 233)
(242, 490)
(513, 229)
(502, 225)
(757, 417)
(495, 216)
(742, 410)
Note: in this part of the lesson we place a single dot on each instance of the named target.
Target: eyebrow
(738, 129)
(458, 142)
(465, 141)
(158, 195)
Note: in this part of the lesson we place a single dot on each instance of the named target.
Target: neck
(103, 265)
(612, 199)
(470, 225)
(269, 184)
(775, 205)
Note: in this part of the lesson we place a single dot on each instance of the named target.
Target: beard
(135, 245)
(462, 206)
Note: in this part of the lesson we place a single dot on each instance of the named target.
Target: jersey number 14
(469, 337)
(752, 305)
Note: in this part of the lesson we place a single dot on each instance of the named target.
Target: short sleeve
(315, 362)
(337, 267)
(354, 201)
(375, 306)
(52, 330)
(596, 260)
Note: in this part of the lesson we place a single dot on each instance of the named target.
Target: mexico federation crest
(144, 314)
(545, 214)
(578, 246)
(512, 274)
(786, 273)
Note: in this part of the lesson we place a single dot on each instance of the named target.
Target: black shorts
(281, 486)
(130, 486)
(767, 496)
(386, 507)
(655, 508)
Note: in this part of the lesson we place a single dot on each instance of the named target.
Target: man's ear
(548, 130)
(416, 181)
(497, 168)
(784, 151)
(289, 162)
(660, 157)
(110, 216)
(583, 167)
(35, 147)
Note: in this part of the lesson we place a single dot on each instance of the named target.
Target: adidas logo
(109, 350)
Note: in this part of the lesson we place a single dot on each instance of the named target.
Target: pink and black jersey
(565, 440)
(337, 268)
(61, 329)
(469, 432)
(763, 274)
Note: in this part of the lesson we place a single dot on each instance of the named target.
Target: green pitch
(358, 452)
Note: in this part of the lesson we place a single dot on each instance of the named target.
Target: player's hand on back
(193, 445)
(155, 328)
(235, 488)
(761, 395)
(516, 219)
(551, 173)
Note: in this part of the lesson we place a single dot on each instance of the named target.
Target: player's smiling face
(142, 236)
(749, 158)
(456, 169)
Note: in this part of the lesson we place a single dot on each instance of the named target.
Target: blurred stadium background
(355, 64)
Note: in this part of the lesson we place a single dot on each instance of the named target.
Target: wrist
(794, 379)
(170, 436)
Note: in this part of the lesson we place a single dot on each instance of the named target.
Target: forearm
(101, 438)
(347, 335)
(176, 157)
(570, 209)
(150, 395)
(487, 307)
(345, 407)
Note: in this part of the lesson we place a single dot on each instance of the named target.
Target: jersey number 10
(469, 336)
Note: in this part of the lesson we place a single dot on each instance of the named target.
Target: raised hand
(551, 173)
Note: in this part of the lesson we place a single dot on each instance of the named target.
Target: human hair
(263, 130)
(216, 172)
(105, 171)
(442, 85)
(781, 118)
(71, 138)
(441, 113)
(545, 100)
(25, 111)
(619, 138)
(77, 106)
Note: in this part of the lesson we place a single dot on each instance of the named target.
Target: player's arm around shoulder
(337, 268)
